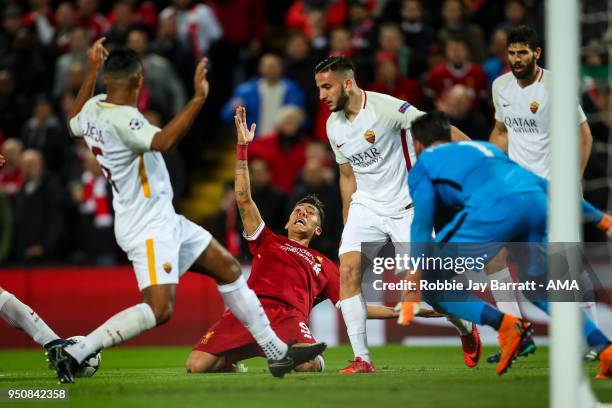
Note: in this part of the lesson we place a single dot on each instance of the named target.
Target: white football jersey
(378, 145)
(526, 114)
(120, 138)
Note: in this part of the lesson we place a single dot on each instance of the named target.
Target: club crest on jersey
(319, 258)
(167, 267)
(207, 337)
(136, 124)
(534, 107)
(370, 136)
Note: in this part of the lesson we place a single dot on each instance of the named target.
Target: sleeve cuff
(75, 128)
(255, 234)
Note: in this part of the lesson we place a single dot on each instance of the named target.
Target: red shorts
(229, 338)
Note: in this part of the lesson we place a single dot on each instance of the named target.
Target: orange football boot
(605, 363)
(358, 366)
(510, 334)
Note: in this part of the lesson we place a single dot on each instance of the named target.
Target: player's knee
(200, 362)
(162, 311)
(349, 276)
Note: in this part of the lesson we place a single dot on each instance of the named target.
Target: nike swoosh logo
(506, 105)
(286, 362)
(339, 146)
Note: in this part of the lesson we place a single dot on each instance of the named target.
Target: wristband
(241, 152)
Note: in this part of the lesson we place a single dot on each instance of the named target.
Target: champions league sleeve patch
(136, 124)
(404, 107)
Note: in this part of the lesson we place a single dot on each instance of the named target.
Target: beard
(527, 71)
(342, 101)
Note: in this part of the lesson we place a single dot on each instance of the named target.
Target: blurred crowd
(444, 54)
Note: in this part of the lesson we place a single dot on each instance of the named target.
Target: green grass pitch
(407, 377)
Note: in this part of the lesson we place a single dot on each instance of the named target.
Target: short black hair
(430, 128)
(122, 63)
(313, 200)
(334, 64)
(523, 35)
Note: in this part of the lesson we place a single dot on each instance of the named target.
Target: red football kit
(289, 279)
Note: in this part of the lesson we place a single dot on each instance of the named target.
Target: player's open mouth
(301, 222)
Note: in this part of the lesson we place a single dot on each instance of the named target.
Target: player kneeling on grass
(502, 202)
(161, 244)
(287, 276)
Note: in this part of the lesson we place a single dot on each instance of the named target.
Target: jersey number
(107, 173)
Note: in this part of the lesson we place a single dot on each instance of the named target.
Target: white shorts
(164, 256)
(364, 225)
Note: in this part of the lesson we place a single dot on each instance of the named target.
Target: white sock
(245, 305)
(463, 326)
(355, 313)
(502, 297)
(22, 317)
(118, 329)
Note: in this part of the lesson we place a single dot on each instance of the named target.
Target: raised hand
(200, 82)
(244, 134)
(96, 55)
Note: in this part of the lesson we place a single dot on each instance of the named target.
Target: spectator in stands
(46, 133)
(314, 181)
(12, 22)
(299, 62)
(389, 81)
(341, 43)
(40, 21)
(497, 62)
(515, 15)
(95, 226)
(198, 26)
(15, 107)
(123, 17)
(456, 24)
(79, 43)
(22, 54)
(284, 149)
(457, 70)
(11, 175)
(38, 212)
(409, 62)
(457, 104)
(162, 90)
(303, 13)
(65, 20)
(89, 17)
(263, 96)
(362, 26)
(270, 200)
(418, 35)
(168, 45)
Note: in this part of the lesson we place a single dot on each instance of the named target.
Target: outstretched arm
(174, 131)
(95, 58)
(251, 219)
